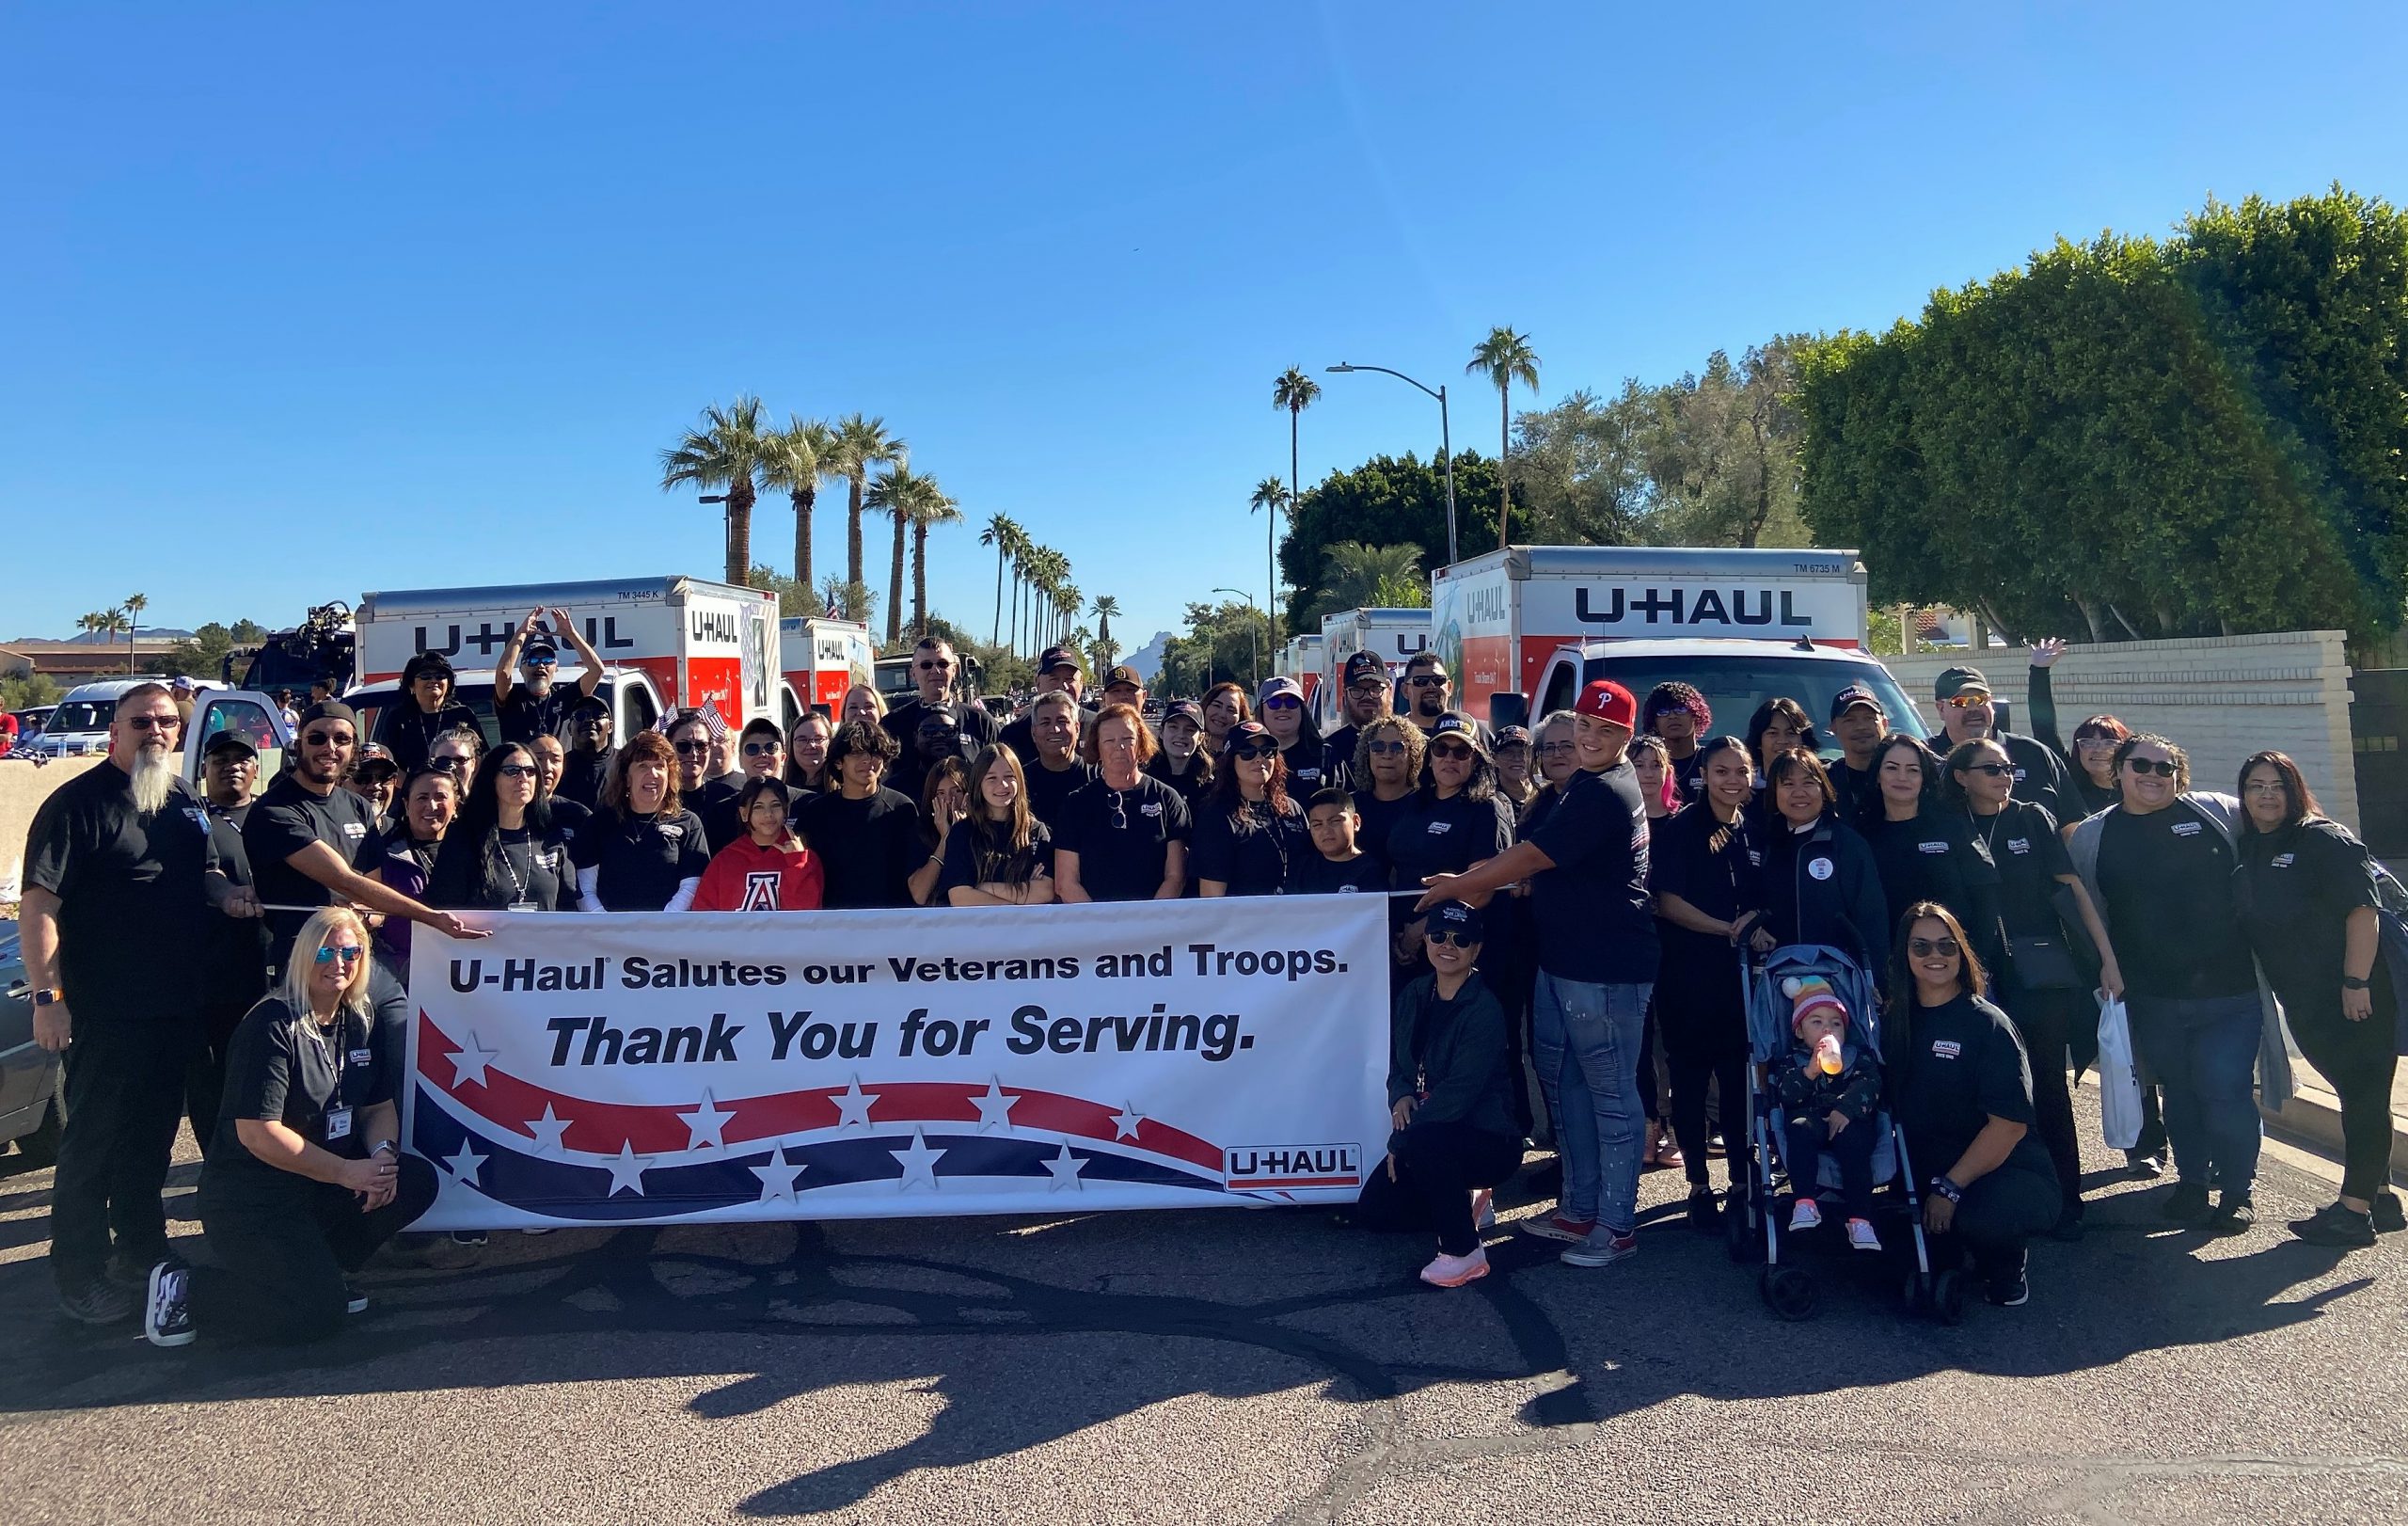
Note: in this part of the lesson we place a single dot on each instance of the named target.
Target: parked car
(31, 720)
(79, 727)
(33, 1099)
(1735, 677)
(633, 702)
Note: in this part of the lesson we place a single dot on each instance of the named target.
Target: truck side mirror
(1506, 709)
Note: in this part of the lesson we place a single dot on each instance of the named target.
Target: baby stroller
(1790, 1290)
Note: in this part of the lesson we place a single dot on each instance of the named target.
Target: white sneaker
(1808, 1214)
(166, 1314)
(1861, 1235)
(1483, 1208)
(1446, 1271)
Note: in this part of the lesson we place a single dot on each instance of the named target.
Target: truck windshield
(81, 715)
(1735, 686)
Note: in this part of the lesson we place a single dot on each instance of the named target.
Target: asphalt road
(1235, 1367)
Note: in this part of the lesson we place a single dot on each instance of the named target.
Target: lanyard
(335, 1055)
(518, 881)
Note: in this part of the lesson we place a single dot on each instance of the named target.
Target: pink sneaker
(1446, 1271)
(1806, 1215)
(1861, 1235)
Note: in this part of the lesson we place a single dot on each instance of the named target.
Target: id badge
(338, 1123)
(524, 906)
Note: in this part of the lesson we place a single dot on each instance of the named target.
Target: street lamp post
(1446, 438)
(1253, 638)
(725, 531)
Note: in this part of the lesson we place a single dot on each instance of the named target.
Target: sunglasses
(542, 663)
(152, 723)
(926, 666)
(1450, 938)
(1260, 753)
(1966, 702)
(1283, 702)
(760, 748)
(1992, 771)
(693, 749)
(1427, 681)
(377, 774)
(1452, 751)
(349, 954)
(1384, 749)
(2163, 767)
(516, 770)
(1925, 947)
(452, 763)
(326, 738)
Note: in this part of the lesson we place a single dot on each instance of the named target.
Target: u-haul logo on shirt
(2019, 845)
(1946, 1049)
(1932, 847)
(2283, 861)
(353, 831)
(1439, 828)
(673, 833)
(1151, 807)
(2186, 828)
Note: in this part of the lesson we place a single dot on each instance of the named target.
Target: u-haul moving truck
(1395, 636)
(1301, 659)
(1497, 619)
(827, 657)
(700, 643)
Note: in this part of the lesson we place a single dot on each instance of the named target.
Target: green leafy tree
(1222, 643)
(1293, 392)
(999, 533)
(202, 657)
(1387, 501)
(852, 601)
(934, 510)
(795, 464)
(1270, 497)
(134, 606)
(860, 447)
(23, 690)
(905, 497)
(1504, 357)
(726, 452)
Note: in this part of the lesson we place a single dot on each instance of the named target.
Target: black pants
(2045, 1020)
(1809, 1140)
(1996, 1221)
(281, 1253)
(1438, 1165)
(125, 1095)
(1692, 1068)
(1649, 1102)
(2358, 1059)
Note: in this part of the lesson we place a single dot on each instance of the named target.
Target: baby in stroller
(1828, 1091)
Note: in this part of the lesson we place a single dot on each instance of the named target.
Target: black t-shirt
(287, 818)
(2040, 773)
(292, 1074)
(237, 958)
(1860, 795)
(1713, 867)
(1308, 768)
(1689, 776)
(525, 716)
(568, 815)
(640, 860)
(1960, 1066)
(1337, 758)
(1379, 819)
(2023, 844)
(1444, 836)
(1122, 836)
(1311, 874)
(721, 824)
(1936, 857)
(2167, 880)
(1594, 920)
(1049, 792)
(2296, 890)
(1192, 786)
(409, 731)
(581, 776)
(974, 728)
(867, 848)
(1251, 852)
(511, 867)
(132, 910)
(972, 862)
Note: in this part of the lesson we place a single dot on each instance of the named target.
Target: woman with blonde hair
(303, 1177)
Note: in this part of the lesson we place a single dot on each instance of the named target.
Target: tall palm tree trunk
(920, 579)
(739, 531)
(996, 637)
(1504, 477)
(1271, 517)
(894, 583)
(802, 503)
(853, 531)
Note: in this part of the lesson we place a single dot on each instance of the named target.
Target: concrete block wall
(22, 788)
(2220, 698)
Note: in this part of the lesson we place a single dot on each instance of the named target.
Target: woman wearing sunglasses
(2309, 904)
(760, 754)
(2159, 865)
(1387, 770)
(1280, 704)
(1454, 819)
(303, 1177)
(2045, 988)
(1962, 1095)
(643, 850)
(505, 852)
(2090, 762)
(1926, 849)
(1248, 832)
(429, 799)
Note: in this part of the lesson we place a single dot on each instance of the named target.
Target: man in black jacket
(1966, 714)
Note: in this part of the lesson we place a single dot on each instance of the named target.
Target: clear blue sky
(305, 300)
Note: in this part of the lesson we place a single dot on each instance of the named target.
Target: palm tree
(1355, 573)
(795, 464)
(1105, 607)
(1066, 613)
(728, 451)
(933, 510)
(893, 496)
(1272, 495)
(1295, 391)
(998, 535)
(862, 445)
(134, 606)
(1504, 357)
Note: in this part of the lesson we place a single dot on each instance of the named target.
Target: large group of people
(1577, 903)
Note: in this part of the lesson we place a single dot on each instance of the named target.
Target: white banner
(678, 1068)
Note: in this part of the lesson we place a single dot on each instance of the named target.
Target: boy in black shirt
(1339, 866)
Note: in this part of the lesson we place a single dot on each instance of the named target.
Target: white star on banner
(994, 1109)
(919, 1163)
(705, 1123)
(626, 1169)
(777, 1178)
(468, 1065)
(1065, 1168)
(466, 1164)
(1124, 1122)
(853, 1104)
(547, 1130)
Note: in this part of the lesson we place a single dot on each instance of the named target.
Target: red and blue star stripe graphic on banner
(659, 1069)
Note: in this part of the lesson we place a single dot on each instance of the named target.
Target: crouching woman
(303, 1177)
(1450, 1098)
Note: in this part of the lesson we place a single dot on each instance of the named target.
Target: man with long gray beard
(120, 880)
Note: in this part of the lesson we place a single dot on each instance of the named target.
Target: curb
(2312, 1119)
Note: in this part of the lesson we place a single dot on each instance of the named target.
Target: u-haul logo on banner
(1294, 1165)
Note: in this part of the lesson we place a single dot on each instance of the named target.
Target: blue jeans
(1586, 1041)
(2202, 1052)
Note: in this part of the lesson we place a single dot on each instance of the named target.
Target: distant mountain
(1147, 659)
(95, 638)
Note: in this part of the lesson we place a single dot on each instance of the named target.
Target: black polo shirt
(867, 848)
(1960, 1066)
(1250, 853)
(525, 715)
(1122, 836)
(409, 731)
(640, 860)
(1594, 918)
(287, 818)
(293, 1074)
(1048, 793)
(134, 915)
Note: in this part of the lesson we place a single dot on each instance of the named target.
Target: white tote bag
(2119, 1078)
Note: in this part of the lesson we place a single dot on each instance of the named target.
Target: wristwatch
(2349, 982)
(46, 996)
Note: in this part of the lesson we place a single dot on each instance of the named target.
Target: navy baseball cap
(1366, 665)
(1852, 696)
(1461, 916)
(1059, 657)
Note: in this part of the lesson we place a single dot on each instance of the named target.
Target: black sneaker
(2334, 1225)
(2142, 1167)
(1704, 1216)
(2233, 1215)
(2010, 1292)
(2187, 1204)
(353, 1301)
(2388, 1218)
(2068, 1225)
(166, 1313)
(100, 1302)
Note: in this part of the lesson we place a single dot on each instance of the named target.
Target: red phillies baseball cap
(1608, 701)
